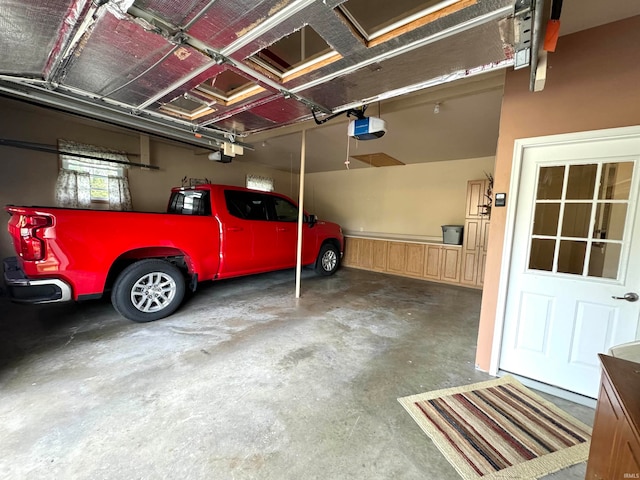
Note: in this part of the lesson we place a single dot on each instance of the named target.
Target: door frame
(519, 149)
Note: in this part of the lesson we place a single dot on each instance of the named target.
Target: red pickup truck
(148, 260)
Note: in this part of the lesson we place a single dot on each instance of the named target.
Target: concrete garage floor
(243, 382)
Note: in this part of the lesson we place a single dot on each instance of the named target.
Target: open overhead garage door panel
(208, 72)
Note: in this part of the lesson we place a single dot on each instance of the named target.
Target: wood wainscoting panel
(351, 248)
(396, 258)
(365, 253)
(379, 255)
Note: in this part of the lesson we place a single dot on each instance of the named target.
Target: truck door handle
(629, 297)
(281, 229)
(234, 229)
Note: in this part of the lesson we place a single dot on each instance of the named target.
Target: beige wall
(410, 200)
(28, 177)
(593, 83)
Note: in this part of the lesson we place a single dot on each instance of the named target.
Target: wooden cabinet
(433, 258)
(443, 263)
(405, 258)
(415, 259)
(429, 261)
(450, 265)
(475, 235)
(470, 240)
(615, 442)
(477, 201)
(474, 251)
(365, 253)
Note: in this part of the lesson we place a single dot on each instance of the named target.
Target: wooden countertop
(398, 238)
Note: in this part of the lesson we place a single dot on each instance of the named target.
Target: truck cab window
(190, 202)
(285, 211)
(247, 205)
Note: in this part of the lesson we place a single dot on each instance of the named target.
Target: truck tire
(148, 290)
(328, 259)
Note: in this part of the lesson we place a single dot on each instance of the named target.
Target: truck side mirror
(312, 220)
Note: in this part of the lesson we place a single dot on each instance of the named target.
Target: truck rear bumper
(25, 290)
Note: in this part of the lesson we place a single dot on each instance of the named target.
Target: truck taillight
(31, 246)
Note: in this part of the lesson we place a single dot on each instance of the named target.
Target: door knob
(629, 297)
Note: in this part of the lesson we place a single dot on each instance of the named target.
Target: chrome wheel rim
(153, 292)
(329, 260)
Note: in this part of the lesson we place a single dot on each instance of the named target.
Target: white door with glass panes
(575, 256)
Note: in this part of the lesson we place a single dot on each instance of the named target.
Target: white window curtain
(73, 189)
(74, 184)
(119, 195)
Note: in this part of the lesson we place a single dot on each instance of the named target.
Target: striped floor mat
(499, 429)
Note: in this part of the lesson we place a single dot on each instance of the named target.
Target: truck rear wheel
(148, 290)
(327, 262)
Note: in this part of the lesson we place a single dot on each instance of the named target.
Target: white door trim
(519, 148)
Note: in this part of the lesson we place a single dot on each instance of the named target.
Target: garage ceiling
(212, 71)
(466, 126)
(216, 70)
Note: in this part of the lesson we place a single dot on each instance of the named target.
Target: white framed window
(91, 177)
(98, 175)
(264, 184)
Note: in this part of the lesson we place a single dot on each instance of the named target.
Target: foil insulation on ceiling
(459, 53)
(28, 34)
(155, 57)
(245, 121)
(355, 52)
(281, 110)
(225, 22)
(112, 53)
(78, 18)
(177, 12)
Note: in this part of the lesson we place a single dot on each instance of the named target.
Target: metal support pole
(301, 212)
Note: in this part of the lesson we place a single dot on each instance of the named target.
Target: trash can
(452, 234)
